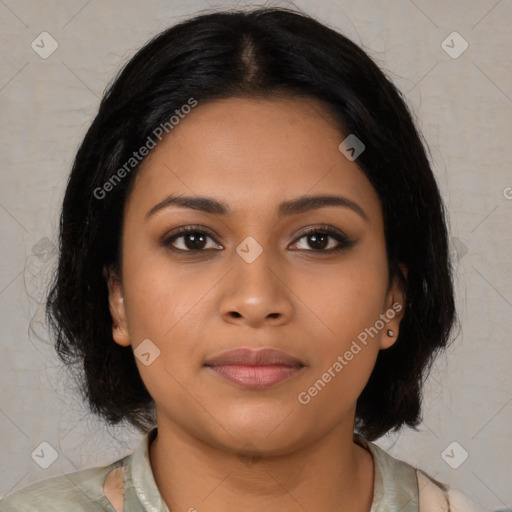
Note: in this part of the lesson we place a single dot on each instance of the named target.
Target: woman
(254, 272)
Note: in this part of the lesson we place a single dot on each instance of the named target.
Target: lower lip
(256, 377)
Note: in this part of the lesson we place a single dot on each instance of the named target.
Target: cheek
(348, 302)
(351, 308)
(172, 306)
(166, 306)
(167, 311)
(158, 293)
(334, 390)
(345, 298)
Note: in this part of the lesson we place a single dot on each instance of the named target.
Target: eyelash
(344, 241)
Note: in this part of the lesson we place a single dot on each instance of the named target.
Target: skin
(253, 154)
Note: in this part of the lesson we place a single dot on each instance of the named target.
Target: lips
(250, 357)
(255, 369)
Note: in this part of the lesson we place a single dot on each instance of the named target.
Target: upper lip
(251, 357)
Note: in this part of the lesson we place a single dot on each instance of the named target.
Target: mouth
(255, 369)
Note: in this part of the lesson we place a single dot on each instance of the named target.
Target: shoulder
(407, 488)
(80, 491)
(437, 497)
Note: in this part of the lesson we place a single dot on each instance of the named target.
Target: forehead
(251, 153)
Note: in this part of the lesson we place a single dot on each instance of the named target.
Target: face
(257, 270)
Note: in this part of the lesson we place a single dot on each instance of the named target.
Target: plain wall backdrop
(452, 61)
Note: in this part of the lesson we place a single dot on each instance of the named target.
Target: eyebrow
(287, 208)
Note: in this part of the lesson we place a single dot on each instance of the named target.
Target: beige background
(464, 107)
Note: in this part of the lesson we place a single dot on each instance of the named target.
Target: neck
(331, 474)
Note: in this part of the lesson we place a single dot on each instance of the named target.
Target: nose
(257, 292)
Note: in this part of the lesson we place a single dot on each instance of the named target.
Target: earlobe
(395, 309)
(388, 338)
(117, 308)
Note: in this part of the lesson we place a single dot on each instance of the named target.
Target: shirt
(128, 485)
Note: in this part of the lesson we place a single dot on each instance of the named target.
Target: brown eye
(194, 239)
(318, 240)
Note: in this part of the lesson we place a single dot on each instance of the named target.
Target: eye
(194, 239)
(318, 238)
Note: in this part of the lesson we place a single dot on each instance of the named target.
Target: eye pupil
(316, 237)
(194, 238)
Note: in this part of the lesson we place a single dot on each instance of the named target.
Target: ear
(116, 307)
(394, 309)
